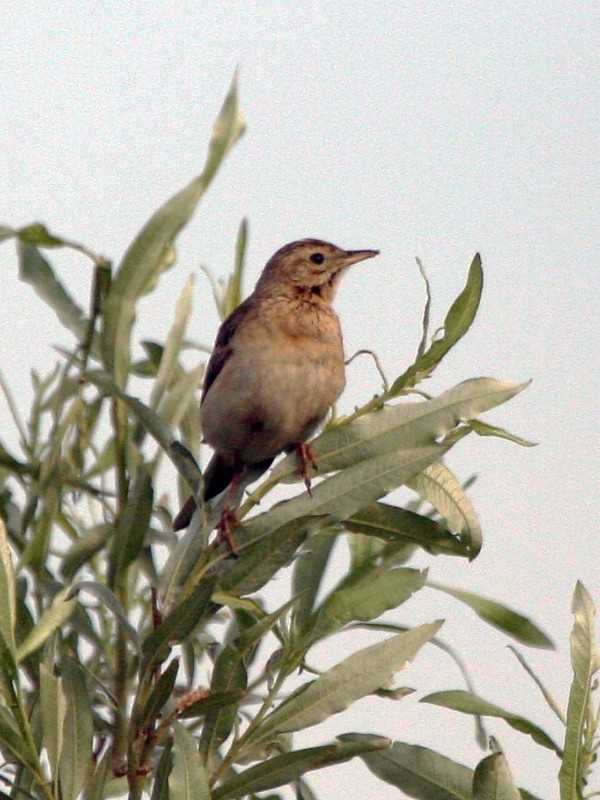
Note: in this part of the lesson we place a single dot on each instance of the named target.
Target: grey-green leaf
(289, 767)
(421, 773)
(579, 735)
(500, 616)
(356, 676)
(35, 270)
(188, 779)
(493, 780)
(151, 251)
(467, 703)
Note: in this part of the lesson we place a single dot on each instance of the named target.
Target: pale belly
(252, 414)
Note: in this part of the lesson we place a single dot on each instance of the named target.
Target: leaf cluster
(133, 661)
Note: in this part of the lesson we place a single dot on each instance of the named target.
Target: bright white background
(429, 129)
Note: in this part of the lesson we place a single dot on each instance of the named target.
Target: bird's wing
(223, 346)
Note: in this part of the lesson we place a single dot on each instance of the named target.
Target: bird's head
(309, 265)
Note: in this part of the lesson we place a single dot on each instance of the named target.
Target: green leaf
(37, 272)
(493, 780)
(53, 708)
(402, 426)
(394, 524)
(6, 233)
(499, 616)
(132, 527)
(76, 760)
(545, 693)
(420, 772)
(468, 703)
(458, 321)
(367, 598)
(581, 722)
(309, 569)
(437, 485)
(160, 694)
(188, 779)
(289, 767)
(8, 603)
(265, 556)
(343, 494)
(234, 294)
(151, 251)
(484, 429)
(169, 362)
(230, 678)
(333, 691)
(177, 625)
(110, 601)
(52, 618)
(160, 788)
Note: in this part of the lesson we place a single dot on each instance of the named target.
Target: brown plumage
(277, 365)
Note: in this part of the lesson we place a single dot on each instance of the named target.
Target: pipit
(276, 369)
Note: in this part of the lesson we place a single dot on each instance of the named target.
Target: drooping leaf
(420, 772)
(500, 616)
(366, 598)
(395, 524)
(468, 703)
(35, 270)
(438, 485)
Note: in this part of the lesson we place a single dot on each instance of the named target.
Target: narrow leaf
(53, 708)
(458, 321)
(358, 675)
(394, 524)
(364, 599)
(420, 772)
(467, 703)
(437, 485)
(580, 732)
(500, 616)
(151, 251)
(8, 603)
(188, 779)
(289, 767)
(53, 617)
(76, 761)
(37, 272)
(177, 625)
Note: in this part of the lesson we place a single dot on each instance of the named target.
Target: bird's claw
(227, 523)
(307, 460)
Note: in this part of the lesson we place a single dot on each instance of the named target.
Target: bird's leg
(229, 519)
(307, 461)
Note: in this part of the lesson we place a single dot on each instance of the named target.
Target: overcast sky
(420, 129)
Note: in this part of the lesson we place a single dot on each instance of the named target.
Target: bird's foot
(225, 529)
(308, 463)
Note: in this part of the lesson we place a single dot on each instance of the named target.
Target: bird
(276, 369)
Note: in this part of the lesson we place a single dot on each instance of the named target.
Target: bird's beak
(354, 256)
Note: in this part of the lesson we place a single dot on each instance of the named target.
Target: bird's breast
(275, 389)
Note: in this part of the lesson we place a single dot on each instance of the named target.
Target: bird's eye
(317, 258)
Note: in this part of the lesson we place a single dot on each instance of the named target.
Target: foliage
(133, 661)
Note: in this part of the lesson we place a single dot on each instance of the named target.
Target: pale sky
(420, 129)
